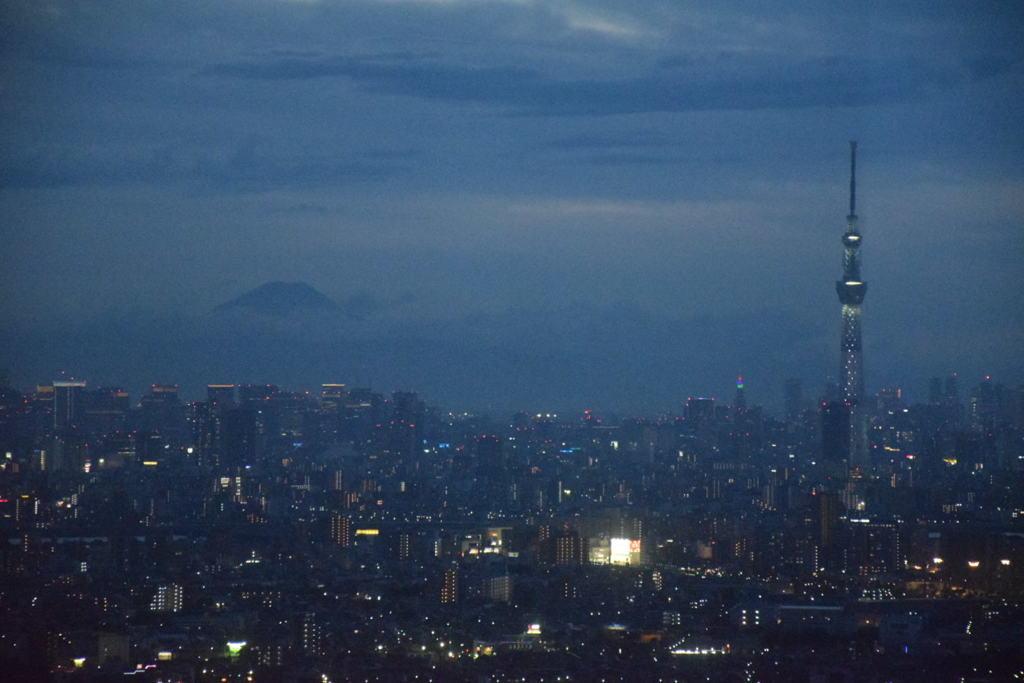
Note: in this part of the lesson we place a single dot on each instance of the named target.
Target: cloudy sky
(566, 203)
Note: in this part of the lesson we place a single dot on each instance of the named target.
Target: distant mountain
(281, 298)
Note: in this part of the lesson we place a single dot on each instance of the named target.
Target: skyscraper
(450, 586)
(794, 398)
(161, 412)
(221, 396)
(168, 598)
(67, 399)
(341, 530)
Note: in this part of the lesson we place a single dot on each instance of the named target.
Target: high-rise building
(794, 398)
(168, 598)
(450, 586)
(221, 396)
(313, 643)
(341, 531)
(874, 547)
(952, 389)
(497, 588)
(220, 400)
(954, 411)
(161, 412)
(835, 436)
(403, 546)
(105, 411)
(333, 401)
(67, 399)
(333, 397)
(569, 549)
(700, 410)
(829, 551)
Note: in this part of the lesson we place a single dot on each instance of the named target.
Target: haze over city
(494, 341)
(514, 204)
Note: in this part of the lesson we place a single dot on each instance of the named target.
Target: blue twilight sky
(521, 203)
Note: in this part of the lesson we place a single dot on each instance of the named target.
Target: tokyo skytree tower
(851, 290)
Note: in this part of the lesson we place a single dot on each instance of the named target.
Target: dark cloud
(631, 159)
(246, 167)
(305, 208)
(617, 140)
(747, 83)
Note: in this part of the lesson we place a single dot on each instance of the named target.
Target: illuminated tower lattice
(851, 290)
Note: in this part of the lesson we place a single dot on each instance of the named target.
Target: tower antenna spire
(853, 177)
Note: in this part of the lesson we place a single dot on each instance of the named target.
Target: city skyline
(269, 535)
(472, 341)
(775, 402)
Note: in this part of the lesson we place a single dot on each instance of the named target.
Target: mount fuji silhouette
(281, 298)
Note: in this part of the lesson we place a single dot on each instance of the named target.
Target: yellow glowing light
(937, 560)
(79, 662)
(1005, 562)
(367, 532)
(235, 646)
(619, 548)
(973, 564)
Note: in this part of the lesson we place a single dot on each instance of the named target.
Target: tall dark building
(221, 396)
(450, 586)
(220, 401)
(741, 397)
(161, 412)
(952, 389)
(794, 399)
(835, 437)
(874, 547)
(67, 400)
(700, 410)
(341, 531)
(828, 517)
(105, 410)
(333, 399)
